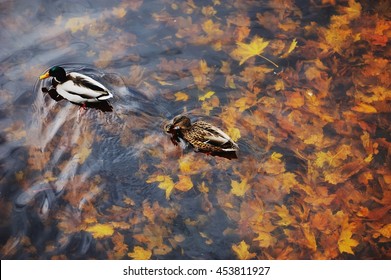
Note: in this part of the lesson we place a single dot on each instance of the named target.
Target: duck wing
(86, 87)
(210, 134)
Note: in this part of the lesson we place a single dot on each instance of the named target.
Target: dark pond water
(88, 184)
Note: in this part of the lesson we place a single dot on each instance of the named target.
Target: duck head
(181, 122)
(57, 72)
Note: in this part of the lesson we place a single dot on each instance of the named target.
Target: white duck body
(80, 88)
(76, 87)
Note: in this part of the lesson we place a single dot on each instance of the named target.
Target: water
(84, 184)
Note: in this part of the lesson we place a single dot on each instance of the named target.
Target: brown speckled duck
(202, 135)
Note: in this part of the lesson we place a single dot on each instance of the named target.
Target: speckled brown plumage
(202, 135)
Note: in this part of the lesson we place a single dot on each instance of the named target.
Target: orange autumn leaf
(385, 231)
(100, 230)
(345, 241)
(242, 251)
(207, 95)
(309, 236)
(139, 253)
(245, 51)
(265, 239)
(364, 108)
(239, 189)
(286, 218)
(294, 99)
(165, 183)
(212, 29)
(184, 184)
(353, 11)
(181, 96)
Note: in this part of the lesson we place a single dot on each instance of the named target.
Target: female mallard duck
(76, 87)
(201, 135)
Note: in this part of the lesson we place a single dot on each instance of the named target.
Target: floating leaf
(165, 183)
(139, 253)
(207, 95)
(100, 230)
(345, 241)
(239, 189)
(181, 96)
(242, 251)
(255, 48)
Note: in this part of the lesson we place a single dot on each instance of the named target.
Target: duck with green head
(76, 87)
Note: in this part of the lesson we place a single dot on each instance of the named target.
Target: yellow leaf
(364, 108)
(83, 154)
(181, 96)
(241, 250)
(345, 242)
(203, 188)
(291, 48)
(354, 9)
(265, 239)
(165, 183)
(204, 67)
(310, 237)
(101, 230)
(234, 133)
(276, 156)
(385, 231)
(279, 85)
(212, 29)
(245, 51)
(207, 95)
(239, 189)
(184, 184)
(139, 253)
(286, 217)
(77, 23)
(119, 12)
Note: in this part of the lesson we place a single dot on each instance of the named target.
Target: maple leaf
(385, 231)
(364, 108)
(345, 242)
(181, 96)
(239, 189)
(120, 248)
(286, 217)
(265, 239)
(207, 95)
(184, 184)
(255, 48)
(310, 237)
(165, 183)
(139, 253)
(241, 250)
(100, 230)
(354, 9)
(234, 133)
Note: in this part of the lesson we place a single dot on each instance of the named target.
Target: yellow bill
(44, 76)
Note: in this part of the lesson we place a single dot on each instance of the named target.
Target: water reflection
(100, 182)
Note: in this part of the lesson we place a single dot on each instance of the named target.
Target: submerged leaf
(242, 251)
(245, 51)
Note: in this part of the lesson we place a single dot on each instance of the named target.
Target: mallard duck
(202, 135)
(76, 87)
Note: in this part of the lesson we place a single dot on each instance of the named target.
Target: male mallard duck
(76, 87)
(202, 135)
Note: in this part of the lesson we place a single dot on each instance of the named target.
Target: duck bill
(44, 76)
